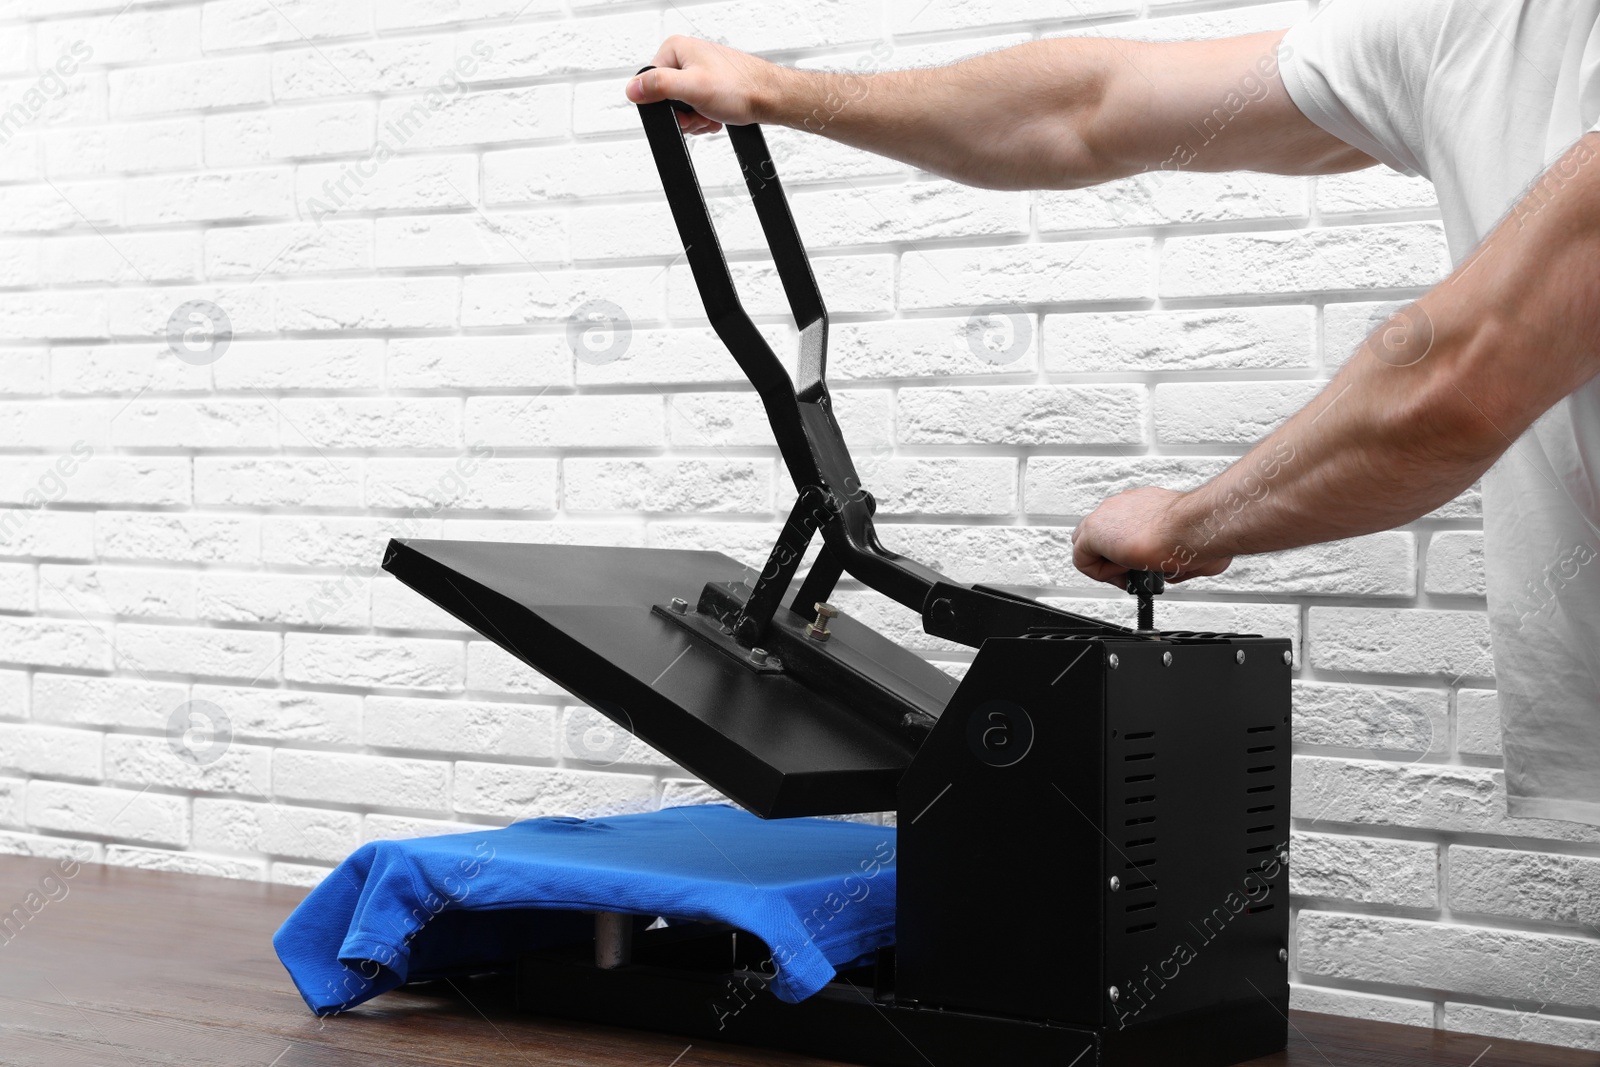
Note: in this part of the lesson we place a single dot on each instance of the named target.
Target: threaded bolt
(1145, 585)
(818, 630)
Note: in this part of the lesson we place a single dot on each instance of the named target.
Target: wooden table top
(130, 968)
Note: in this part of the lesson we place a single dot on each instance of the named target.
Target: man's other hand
(1136, 530)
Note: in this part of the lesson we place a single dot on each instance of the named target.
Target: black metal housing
(1092, 825)
(1060, 764)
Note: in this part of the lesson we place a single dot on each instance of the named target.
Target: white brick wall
(175, 532)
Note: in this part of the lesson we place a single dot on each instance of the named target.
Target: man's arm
(1425, 406)
(1054, 114)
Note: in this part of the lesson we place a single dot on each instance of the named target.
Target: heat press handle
(799, 410)
(701, 246)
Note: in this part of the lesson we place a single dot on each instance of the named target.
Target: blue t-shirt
(820, 893)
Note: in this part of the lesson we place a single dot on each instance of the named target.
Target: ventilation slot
(1256, 770)
(1262, 808)
(1259, 848)
(1261, 748)
(1142, 883)
(1260, 729)
(1259, 909)
(1261, 789)
(1262, 829)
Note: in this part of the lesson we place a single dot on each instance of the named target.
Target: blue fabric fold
(819, 893)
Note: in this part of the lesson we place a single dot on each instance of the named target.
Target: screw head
(1288, 658)
(1114, 993)
(1283, 857)
(758, 656)
(1113, 662)
(1166, 659)
(1283, 955)
(1115, 883)
(679, 605)
(826, 610)
(1238, 656)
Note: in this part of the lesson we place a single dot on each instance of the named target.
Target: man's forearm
(1019, 118)
(1380, 446)
(1424, 406)
(1061, 113)
(1427, 404)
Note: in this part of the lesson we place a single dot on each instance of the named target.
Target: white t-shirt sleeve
(1356, 68)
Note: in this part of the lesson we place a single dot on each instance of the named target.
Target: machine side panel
(1197, 795)
(1000, 839)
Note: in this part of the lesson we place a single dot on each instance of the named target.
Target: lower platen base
(855, 1022)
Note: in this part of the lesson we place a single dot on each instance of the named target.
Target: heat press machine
(1093, 824)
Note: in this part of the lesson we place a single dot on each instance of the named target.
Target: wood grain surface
(131, 968)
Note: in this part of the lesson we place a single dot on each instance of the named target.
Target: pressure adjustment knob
(1146, 585)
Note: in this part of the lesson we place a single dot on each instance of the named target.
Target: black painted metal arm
(831, 498)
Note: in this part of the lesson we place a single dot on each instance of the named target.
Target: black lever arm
(807, 434)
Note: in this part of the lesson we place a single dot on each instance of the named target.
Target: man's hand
(722, 84)
(1136, 530)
